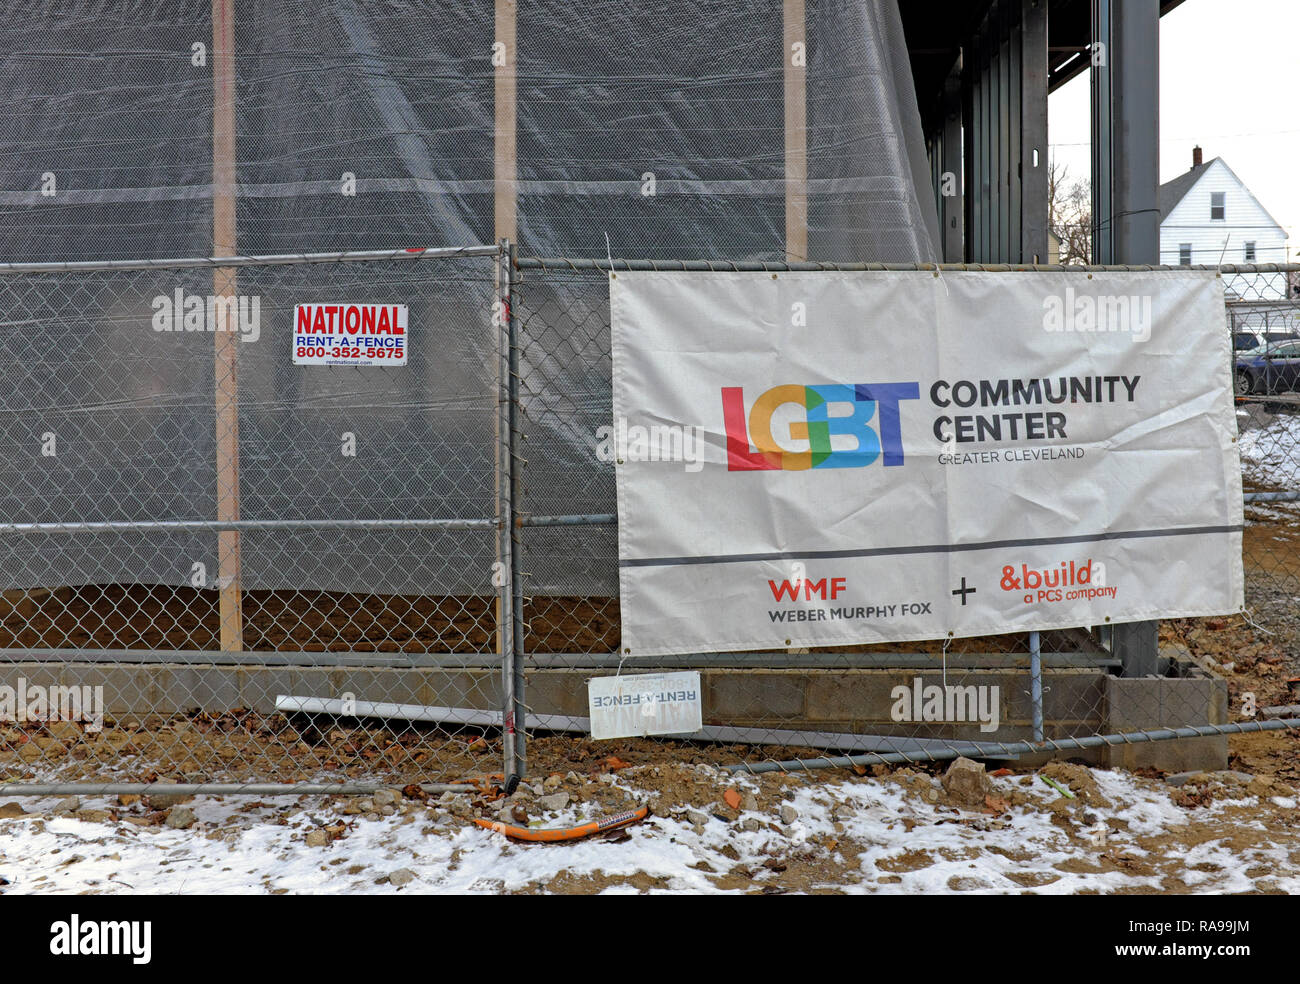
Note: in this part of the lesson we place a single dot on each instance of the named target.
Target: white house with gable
(1208, 216)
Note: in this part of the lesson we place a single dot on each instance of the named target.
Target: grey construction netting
(106, 108)
(107, 419)
(106, 97)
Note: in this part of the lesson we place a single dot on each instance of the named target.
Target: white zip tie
(1246, 614)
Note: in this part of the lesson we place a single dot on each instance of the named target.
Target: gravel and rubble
(886, 831)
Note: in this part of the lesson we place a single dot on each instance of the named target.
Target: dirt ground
(1106, 842)
(1064, 828)
(1261, 666)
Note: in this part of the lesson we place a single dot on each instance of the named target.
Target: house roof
(1169, 194)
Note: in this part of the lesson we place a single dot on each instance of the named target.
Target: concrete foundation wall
(1076, 701)
(1163, 702)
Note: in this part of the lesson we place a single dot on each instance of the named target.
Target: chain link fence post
(515, 496)
(504, 579)
(1036, 685)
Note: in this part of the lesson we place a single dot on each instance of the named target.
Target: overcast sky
(1230, 81)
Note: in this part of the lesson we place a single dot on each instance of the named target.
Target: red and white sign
(333, 333)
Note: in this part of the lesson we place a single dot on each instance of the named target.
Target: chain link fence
(223, 567)
(1102, 694)
(1257, 655)
(225, 571)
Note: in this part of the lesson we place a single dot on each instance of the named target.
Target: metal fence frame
(511, 523)
(910, 754)
(500, 524)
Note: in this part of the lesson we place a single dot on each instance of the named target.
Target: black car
(1249, 340)
(1271, 368)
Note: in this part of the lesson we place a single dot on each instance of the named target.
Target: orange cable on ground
(553, 834)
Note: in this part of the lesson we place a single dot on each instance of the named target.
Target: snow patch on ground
(1269, 454)
(856, 835)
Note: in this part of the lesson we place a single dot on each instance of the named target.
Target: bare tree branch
(1069, 213)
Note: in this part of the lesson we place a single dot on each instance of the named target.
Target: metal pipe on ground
(1281, 710)
(408, 712)
(1014, 749)
(561, 722)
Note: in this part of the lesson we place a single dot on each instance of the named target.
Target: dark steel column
(1033, 132)
(952, 208)
(1125, 176)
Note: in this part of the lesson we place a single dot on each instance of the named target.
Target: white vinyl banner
(842, 458)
